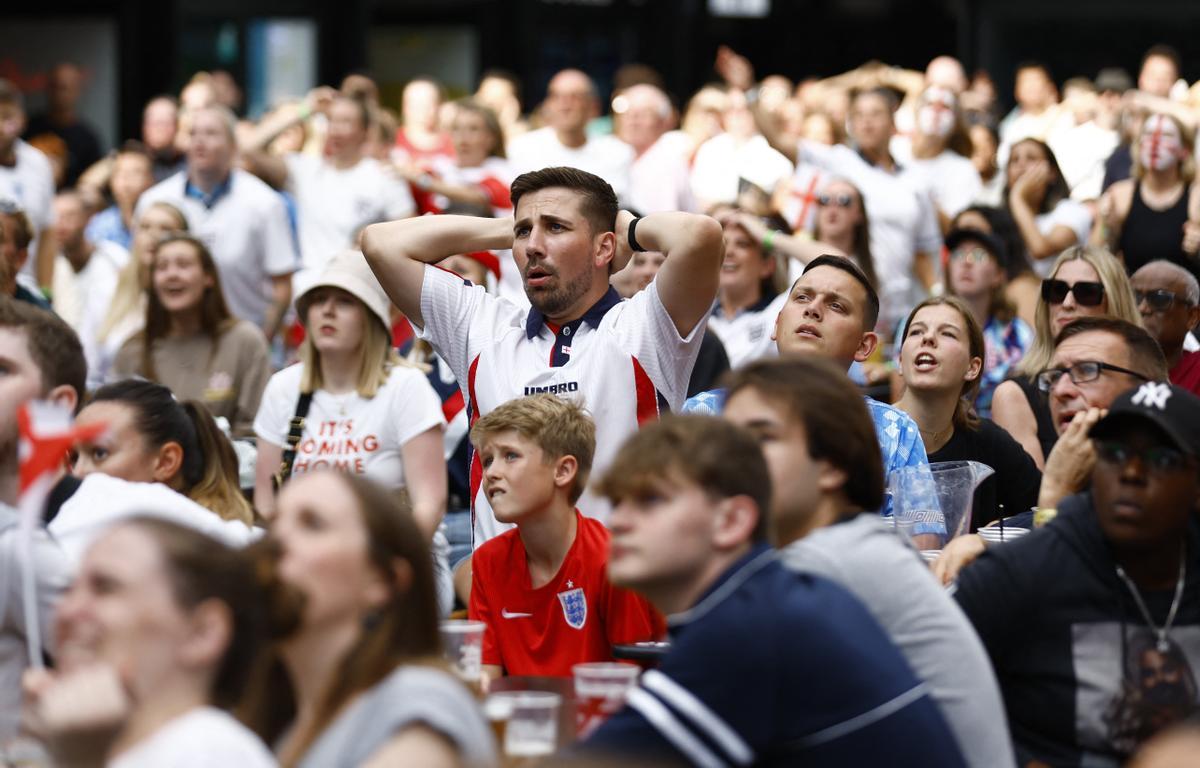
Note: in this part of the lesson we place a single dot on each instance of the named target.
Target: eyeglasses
(1160, 300)
(1080, 373)
(976, 254)
(1159, 458)
(1088, 294)
(841, 201)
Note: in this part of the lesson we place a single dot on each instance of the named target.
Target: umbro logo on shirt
(513, 615)
(554, 389)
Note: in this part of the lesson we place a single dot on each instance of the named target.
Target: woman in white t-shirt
(153, 640)
(370, 412)
(939, 154)
(1039, 200)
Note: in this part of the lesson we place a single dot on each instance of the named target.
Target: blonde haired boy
(542, 587)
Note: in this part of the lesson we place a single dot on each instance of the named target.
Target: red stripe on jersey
(647, 396)
(452, 405)
(476, 464)
(497, 192)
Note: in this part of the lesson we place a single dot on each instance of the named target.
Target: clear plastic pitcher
(933, 503)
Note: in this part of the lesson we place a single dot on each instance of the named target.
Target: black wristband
(633, 243)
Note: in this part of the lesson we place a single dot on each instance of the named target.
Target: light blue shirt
(899, 439)
(108, 225)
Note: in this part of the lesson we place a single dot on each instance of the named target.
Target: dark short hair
(871, 311)
(1145, 355)
(598, 201)
(834, 415)
(11, 94)
(136, 148)
(722, 459)
(887, 94)
(1163, 51)
(22, 232)
(53, 346)
(1034, 64)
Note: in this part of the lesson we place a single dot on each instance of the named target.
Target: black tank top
(1149, 234)
(1040, 406)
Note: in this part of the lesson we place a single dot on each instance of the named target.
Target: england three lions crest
(574, 606)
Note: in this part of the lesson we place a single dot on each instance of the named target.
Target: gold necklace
(933, 438)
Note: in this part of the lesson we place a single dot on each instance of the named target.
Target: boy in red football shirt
(542, 587)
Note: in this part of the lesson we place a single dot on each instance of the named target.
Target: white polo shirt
(245, 225)
(333, 204)
(903, 222)
(747, 335)
(624, 360)
(606, 156)
(30, 183)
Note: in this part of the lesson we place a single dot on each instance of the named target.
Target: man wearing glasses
(1093, 622)
(1169, 300)
(1095, 360)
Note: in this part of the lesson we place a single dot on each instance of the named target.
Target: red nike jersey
(578, 616)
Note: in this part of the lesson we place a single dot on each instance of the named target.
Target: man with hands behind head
(625, 361)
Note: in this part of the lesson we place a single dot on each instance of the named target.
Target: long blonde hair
(1117, 292)
(134, 279)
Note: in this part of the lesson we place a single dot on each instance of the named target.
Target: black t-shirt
(1082, 680)
(711, 363)
(1017, 479)
(83, 147)
(1040, 405)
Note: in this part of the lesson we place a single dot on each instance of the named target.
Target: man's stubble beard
(555, 302)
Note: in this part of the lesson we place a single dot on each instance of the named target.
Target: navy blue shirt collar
(212, 198)
(759, 556)
(535, 319)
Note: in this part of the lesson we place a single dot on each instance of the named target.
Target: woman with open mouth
(942, 354)
(191, 343)
(154, 641)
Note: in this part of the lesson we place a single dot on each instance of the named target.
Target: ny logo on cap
(1152, 395)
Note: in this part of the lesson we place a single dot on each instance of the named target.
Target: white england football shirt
(333, 204)
(624, 360)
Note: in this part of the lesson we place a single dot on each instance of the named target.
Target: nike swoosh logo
(510, 615)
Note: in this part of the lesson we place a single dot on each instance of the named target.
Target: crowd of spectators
(642, 373)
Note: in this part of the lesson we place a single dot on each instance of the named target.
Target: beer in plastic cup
(600, 689)
(532, 728)
(462, 646)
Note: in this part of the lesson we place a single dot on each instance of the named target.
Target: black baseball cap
(990, 243)
(1174, 410)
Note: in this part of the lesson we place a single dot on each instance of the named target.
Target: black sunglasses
(1087, 294)
(841, 201)
(1159, 300)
